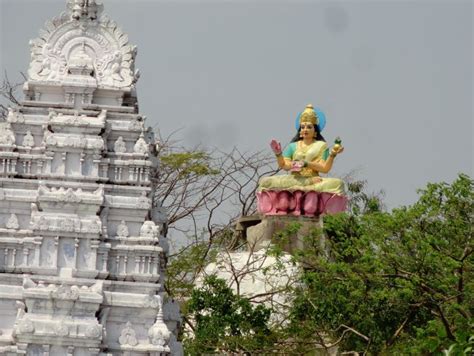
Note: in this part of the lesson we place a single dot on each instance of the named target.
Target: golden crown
(309, 115)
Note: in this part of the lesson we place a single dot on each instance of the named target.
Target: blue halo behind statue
(321, 118)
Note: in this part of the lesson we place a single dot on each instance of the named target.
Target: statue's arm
(324, 166)
(284, 163)
(283, 158)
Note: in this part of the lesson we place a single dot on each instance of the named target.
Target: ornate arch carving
(81, 36)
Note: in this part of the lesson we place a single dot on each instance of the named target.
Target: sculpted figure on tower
(303, 190)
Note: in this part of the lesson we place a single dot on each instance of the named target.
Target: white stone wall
(81, 262)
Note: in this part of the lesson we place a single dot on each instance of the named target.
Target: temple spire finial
(84, 9)
(82, 41)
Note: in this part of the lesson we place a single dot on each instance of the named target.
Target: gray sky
(395, 78)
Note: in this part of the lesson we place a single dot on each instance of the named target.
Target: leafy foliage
(225, 321)
(398, 282)
(188, 163)
(402, 280)
(185, 269)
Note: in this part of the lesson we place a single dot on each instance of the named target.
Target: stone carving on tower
(81, 249)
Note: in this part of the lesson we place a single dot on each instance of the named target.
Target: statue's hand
(296, 166)
(336, 150)
(276, 147)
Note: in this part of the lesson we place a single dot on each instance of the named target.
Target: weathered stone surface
(259, 276)
(256, 273)
(81, 263)
(265, 233)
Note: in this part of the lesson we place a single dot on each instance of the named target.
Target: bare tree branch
(9, 94)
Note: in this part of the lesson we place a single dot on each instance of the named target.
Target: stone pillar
(94, 246)
(26, 253)
(81, 163)
(125, 260)
(95, 165)
(62, 167)
(156, 266)
(37, 243)
(137, 264)
(39, 166)
(105, 257)
(76, 252)
(48, 167)
(56, 251)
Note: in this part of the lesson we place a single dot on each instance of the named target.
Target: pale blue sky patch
(393, 77)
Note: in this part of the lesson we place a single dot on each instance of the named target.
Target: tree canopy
(396, 282)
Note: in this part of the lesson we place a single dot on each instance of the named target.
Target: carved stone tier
(75, 146)
(75, 323)
(89, 316)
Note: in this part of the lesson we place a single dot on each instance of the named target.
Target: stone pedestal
(287, 232)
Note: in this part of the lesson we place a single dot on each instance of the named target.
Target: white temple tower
(81, 260)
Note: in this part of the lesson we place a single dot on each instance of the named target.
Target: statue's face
(307, 130)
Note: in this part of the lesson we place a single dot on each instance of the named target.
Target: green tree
(225, 322)
(398, 282)
(203, 192)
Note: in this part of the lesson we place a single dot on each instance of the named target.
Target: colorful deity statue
(303, 191)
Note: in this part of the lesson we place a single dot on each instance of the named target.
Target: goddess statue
(303, 191)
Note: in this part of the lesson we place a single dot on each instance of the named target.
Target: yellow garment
(306, 179)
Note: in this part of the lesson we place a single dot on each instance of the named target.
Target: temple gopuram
(82, 254)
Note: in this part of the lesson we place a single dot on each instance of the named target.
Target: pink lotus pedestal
(284, 202)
